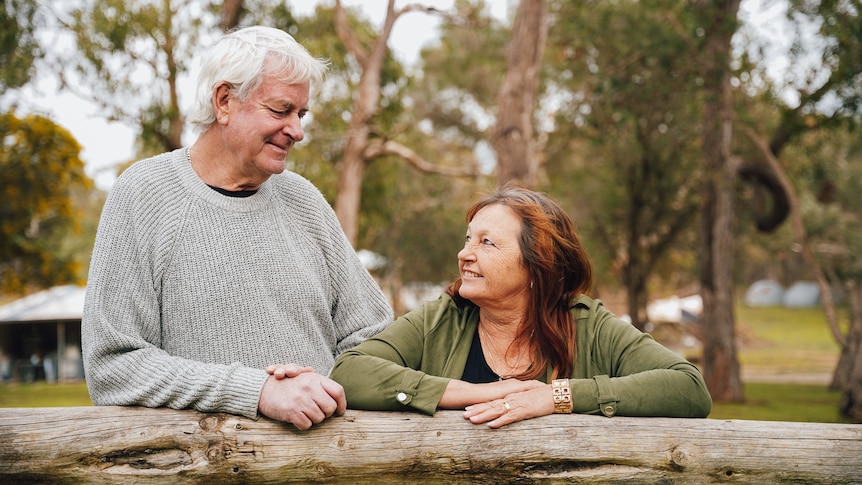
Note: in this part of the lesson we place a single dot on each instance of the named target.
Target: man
(212, 262)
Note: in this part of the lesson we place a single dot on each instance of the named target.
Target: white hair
(243, 58)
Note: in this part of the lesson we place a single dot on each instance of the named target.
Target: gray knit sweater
(191, 294)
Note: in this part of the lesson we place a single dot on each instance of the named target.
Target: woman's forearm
(460, 394)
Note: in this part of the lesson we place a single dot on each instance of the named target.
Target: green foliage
(623, 152)
(42, 181)
(826, 169)
(417, 223)
(19, 48)
(839, 24)
(457, 92)
(129, 59)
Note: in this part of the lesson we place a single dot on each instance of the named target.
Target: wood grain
(139, 445)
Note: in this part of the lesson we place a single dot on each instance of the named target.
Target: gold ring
(506, 405)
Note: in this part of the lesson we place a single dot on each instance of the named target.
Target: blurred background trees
(647, 122)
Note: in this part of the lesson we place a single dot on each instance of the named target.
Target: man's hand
(304, 398)
(280, 371)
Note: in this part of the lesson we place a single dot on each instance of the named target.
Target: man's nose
(293, 128)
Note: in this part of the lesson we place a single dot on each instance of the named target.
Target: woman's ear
(222, 94)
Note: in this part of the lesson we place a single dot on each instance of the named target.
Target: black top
(477, 370)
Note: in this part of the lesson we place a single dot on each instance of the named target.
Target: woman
(515, 337)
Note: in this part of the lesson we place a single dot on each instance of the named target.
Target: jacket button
(609, 410)
(402, 397)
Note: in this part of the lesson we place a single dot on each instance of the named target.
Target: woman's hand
(459, 394)
(518, 406)
(282, 371)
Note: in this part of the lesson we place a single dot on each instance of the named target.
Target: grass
(784, 402)
(775, 341)
(782, 340)
(40, 394)
(772, 341)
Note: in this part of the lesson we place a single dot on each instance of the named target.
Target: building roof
(58, 303)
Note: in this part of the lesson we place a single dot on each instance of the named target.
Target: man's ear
(221, 101)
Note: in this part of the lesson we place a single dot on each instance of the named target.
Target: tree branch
(342, 29)
(801, 235)
(377, 148)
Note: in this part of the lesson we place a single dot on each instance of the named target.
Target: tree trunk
(636, 295)
(230, 12)
(513, 139)
(851, 356)
(352, 166)
(721, 368)
(349, 188)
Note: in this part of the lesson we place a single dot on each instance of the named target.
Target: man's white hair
(243, 58)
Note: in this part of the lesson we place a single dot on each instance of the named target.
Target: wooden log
(139, 445)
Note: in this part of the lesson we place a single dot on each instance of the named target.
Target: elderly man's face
(260, 131)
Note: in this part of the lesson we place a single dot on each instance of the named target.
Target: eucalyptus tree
(42, 184)
(514, 138)
(819, 97)
(717, 20)
(623, 152)
(364, 142)
(129, 58)
(19, 48)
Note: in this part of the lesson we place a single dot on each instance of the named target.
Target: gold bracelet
(562, 396)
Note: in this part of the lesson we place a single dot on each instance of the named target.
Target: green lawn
(780, 340)
(41, 394)
(783, 340)
(772, 340)
(784, 402)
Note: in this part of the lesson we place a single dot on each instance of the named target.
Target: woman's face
(493, 274)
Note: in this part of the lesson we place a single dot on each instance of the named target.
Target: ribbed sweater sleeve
(191, 294)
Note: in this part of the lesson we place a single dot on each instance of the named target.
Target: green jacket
(619, 370)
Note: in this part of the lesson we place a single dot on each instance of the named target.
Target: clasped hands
(299, 395)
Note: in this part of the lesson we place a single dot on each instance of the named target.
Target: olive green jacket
(619, 370)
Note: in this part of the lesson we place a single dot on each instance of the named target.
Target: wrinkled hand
(538, 401)
(300, 397)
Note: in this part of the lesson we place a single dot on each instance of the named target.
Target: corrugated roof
(58, 303)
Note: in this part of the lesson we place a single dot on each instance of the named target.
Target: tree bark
(352, 165)
(851, 358)
(230, 13)
(513, 139)
(721, 368)
(141, 445)
(636, 295)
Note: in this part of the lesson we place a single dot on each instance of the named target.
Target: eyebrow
(288, 106)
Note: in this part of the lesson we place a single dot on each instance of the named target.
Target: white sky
(108, 143)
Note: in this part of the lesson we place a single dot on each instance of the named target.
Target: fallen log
(139, 445)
